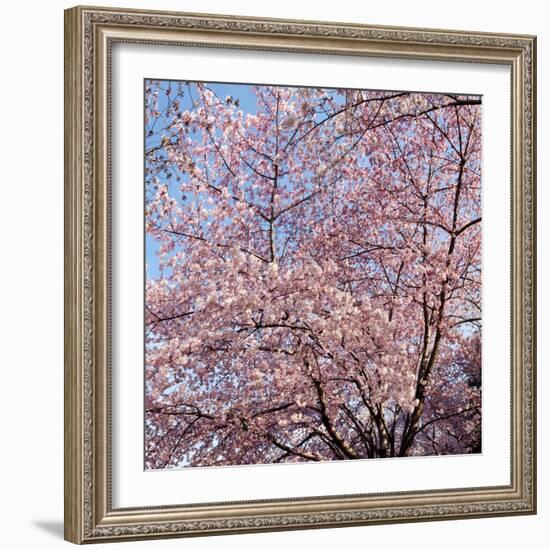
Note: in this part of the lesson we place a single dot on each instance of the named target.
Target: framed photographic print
(300, 274)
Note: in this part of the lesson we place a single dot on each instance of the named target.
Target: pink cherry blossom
(318, 288)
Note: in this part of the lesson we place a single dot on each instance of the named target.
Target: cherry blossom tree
(313, 290)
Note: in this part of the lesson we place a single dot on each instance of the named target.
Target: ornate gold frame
(89, 34)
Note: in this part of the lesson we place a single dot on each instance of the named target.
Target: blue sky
(247, 104)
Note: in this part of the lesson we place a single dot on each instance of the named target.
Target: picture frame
(90, 36)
